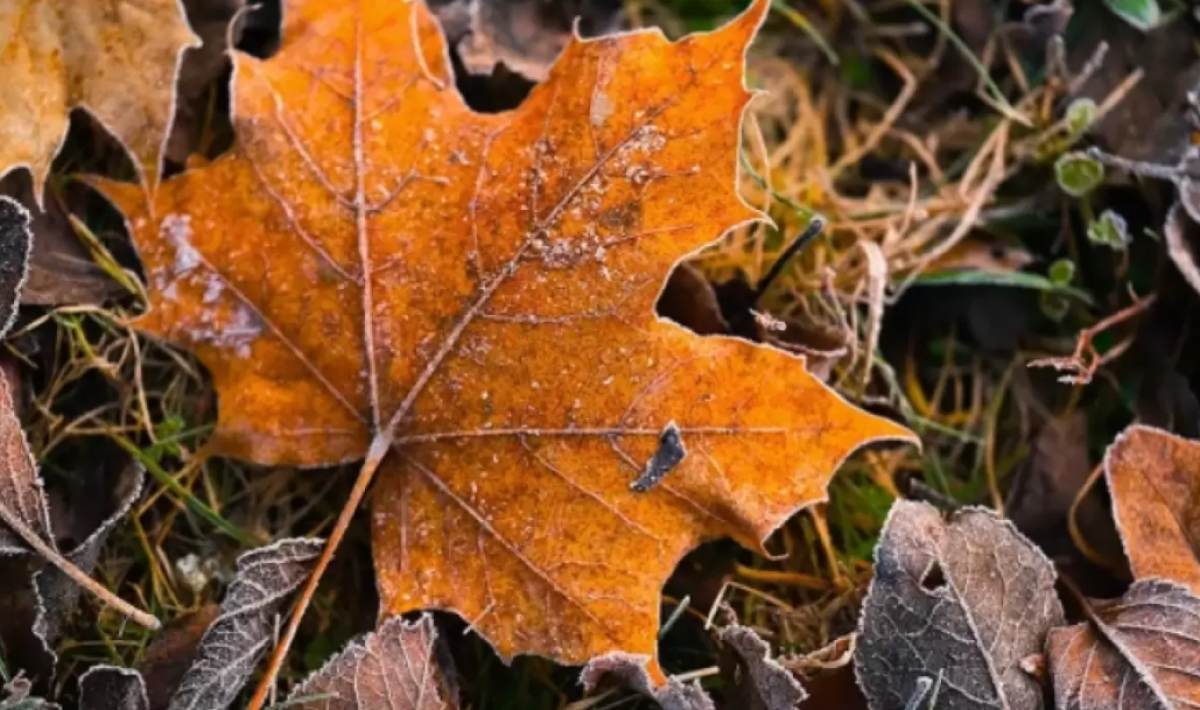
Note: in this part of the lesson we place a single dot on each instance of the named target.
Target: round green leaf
(1077, 174)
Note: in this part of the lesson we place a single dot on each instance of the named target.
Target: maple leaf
(116, 58)
(467, 302)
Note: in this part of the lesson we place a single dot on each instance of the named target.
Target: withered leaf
(759, 682)
(1154, 479)
(629, 671)
(115, 58)
(61, 270)
(21, 494)
(58, 594)
(239, 637)
(965, 599)
(1140, 652)
(524, 35)
(172, 652)
(466, 300)
(112, 688)
(16, 242)
(395, 668)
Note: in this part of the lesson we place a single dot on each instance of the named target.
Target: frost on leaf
(117, 59)
(759, 682)
(112, 688)
(395, 668)
(1154, 478)
(629, 672)
(260, 591)
(1140, 652)
(16, 244)
(372, 261)
(962, 600)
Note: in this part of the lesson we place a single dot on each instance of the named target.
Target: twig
(379, 449)
(1082, 364)
(77, 575)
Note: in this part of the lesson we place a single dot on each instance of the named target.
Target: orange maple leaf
(467, 301)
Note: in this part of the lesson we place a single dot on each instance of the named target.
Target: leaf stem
(379, 448)
(79, 576)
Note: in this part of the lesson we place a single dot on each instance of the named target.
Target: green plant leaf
(1077, 174)
(1061, 272)
(1142, 14)
(1110, 230)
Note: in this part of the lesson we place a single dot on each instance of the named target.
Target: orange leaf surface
(377, 271)
(1154, 477)
(116, 58)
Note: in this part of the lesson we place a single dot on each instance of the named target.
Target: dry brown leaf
(265, 579)
(756, 680)
(105, 687)
(629, 672)
(466, 301)
(524, 35)
(61, 270)
(1140, 652)
(395, 668)
(116, 58)
(956, 604)
(1154, 478)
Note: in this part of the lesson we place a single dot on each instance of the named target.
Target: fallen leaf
(240, 636)
(1040, 497)
(40, 598)
(963, 600)
(57, 593)
(629, 671)
(1154, 479)
(499, 273)
(169, 656)
(524, 35)
(1139, 652)
(61, 271)
(117, 59)
(112, 688)
(759, 682)
(395, 668)
(15, 245)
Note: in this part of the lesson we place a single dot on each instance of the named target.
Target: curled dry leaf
(112, 688)
(466, 301)
(758, 681)
(395, 668)
(524, 35)
(629, 672)
(1140, 652)
(259, 592)
(116, 58)
(963, 599)
(1154, 478)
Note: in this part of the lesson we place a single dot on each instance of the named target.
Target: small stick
(375, 455)
(1083, 363)
(95, 588)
